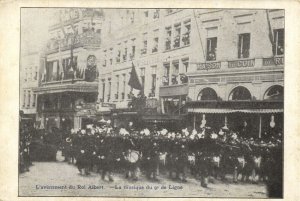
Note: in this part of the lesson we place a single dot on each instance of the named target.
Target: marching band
(202, 154)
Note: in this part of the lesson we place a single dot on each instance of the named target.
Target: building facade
(68, 90)
(159, 43)
(29, 77)
(232, 57)
(238, 78)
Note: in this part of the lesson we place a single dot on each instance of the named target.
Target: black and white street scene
(151, 102)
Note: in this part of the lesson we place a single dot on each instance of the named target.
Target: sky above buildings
(34, 28)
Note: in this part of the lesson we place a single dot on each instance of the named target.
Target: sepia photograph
(151, 102)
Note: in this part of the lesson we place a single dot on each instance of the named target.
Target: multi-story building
(218, 60)
(29, 77)
(159, 43)
(69, 86)
(237, 79)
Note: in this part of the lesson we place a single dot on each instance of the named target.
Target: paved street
(67, 181)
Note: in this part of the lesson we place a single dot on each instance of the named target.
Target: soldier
(100, 141)
(182, 159)
(152, 158)
(82, 156)
(108, 157)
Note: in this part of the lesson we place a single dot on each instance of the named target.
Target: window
(118, 58)
(111, 56)
(29, 97)
(34, 100)
(244, 45)
(125, 54)
(155, 45)
(143, 77)
(177, 36)
(146, 14)
(104, 59)
(278, 42)
(175, 72)
(144, 49)
(211, 49)
(186, 33)
(103, 89)
(156, 14)
(36, 73)
(168, 38)
(153, 82)
(132, 54)
(185, 63)
(25, 78)
(109, 89)
(165, 79)
(24, 98)
(117, 86)
(30, 74)
(124, 86)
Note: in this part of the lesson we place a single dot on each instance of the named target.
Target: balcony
(173, 90)
(87, 39)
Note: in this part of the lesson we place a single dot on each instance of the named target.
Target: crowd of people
(25, 137)
(203, 153)
(200, 153)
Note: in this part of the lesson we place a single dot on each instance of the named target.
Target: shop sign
(273, 61)
(241, 63)
(209, 66)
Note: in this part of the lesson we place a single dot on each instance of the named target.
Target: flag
(43, 71)
(271, 37)
(134, 80)
(60, 63)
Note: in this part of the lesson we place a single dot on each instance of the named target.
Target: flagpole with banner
(134, 79)
(271, 36)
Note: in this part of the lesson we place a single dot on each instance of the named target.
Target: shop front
(248, 118)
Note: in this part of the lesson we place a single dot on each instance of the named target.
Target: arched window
(240, 93)
(275, 92)
(207, 94)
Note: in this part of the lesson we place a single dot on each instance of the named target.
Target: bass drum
(132, 156)
(59, 156)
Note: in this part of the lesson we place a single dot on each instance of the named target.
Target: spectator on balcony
(174, 79)
(211, 56)
(183, 78)
(165, 80)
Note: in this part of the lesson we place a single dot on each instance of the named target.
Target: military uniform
(108, 156)
(152, 158)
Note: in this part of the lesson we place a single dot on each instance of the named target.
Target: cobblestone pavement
(66, 176)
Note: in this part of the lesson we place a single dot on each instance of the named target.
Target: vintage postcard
(153, 102)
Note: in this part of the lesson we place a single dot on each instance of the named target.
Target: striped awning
(57, 87)
(223, 107)
(226, 111)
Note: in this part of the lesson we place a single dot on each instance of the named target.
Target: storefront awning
(58, 87)
(226, 111)
(219, 107)
(162, 118)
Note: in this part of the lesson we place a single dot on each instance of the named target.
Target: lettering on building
(241, 63)
(208, 66)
